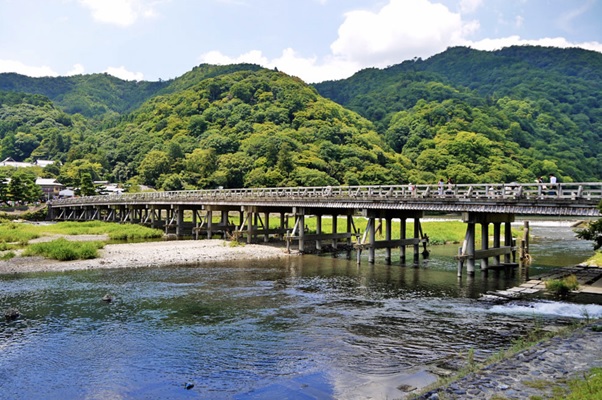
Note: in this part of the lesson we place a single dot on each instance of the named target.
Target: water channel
(307, 327)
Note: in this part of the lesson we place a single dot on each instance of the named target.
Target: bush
(65, 250)
(562, 287)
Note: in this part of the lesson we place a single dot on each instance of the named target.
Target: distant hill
(473, 116)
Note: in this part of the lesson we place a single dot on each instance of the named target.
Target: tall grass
(114, 230)
(11, 232)
(64, 250)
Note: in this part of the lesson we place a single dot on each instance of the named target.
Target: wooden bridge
(485, 204)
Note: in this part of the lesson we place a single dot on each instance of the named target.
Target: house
(10, 162)
(50, 187)
(44, 163)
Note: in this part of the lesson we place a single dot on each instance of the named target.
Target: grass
(114, 230)
(596, 259)
(64, 250)
(17, 233)
(562, 287)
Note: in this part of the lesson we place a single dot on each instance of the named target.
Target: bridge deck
(565, 199)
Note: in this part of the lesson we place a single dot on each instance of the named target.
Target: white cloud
(496, 44)
(21, 68)
(120, 12)
(122, 73)
(290, 62)
(401, 30)
(77, 69)
(468, 6)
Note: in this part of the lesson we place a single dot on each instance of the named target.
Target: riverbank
(146, 254)
(540, 371)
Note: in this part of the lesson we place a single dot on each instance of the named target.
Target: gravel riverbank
(147, 254)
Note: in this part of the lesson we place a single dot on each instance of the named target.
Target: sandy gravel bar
(148, 254)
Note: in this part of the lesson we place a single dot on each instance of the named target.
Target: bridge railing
(588, 191)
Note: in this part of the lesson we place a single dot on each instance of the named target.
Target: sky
(315, 40)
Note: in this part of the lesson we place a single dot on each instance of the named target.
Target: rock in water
(11, 314)
(108, 298)
(189, 385)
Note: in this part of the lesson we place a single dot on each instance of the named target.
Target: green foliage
(593, 232)
(114, 230)
(64, 250)
(8, 255)
(562, 287)
(473, 116)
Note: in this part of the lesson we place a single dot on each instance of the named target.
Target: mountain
(542, 104)
(473, 116)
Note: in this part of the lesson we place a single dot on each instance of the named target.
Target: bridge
(484, 204)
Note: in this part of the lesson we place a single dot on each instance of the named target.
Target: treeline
(472, 116)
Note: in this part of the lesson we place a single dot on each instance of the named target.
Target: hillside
(541, 105)
(473, 116)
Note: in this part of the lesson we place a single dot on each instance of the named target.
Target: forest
(511, 115)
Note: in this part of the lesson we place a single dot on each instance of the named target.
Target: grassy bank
(16, 236)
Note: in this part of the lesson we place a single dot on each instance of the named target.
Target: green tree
(86, 185)
(155, 164)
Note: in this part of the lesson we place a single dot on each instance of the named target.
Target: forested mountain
(532, 108)
(473, 116)
(94, 95)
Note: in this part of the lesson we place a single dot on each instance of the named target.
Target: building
(50, 187)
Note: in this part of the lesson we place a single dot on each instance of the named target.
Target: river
(307, 327)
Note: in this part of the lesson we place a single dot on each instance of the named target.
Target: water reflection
(307, 327)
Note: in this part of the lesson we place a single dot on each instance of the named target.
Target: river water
(303, 328)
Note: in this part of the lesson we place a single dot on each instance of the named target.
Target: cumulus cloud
(29, 70)
(398, 31)
(498, 43)
(123, 73)
(120, 12)
(401, 30)
(307, 68)
(77, 69)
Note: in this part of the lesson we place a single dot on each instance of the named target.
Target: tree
(86, 185)
(155, 164)
(593, 232)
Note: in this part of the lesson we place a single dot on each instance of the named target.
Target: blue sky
(315, 40)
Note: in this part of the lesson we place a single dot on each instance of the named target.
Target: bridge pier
(388, 243)
(468, 253)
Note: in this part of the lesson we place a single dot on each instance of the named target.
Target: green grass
(12, 232)
(8, 255)
(114, 230)
(64, 250)
(562, 287)
(596, 259)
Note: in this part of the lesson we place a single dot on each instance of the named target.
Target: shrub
(65, 250)
(562, 287)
